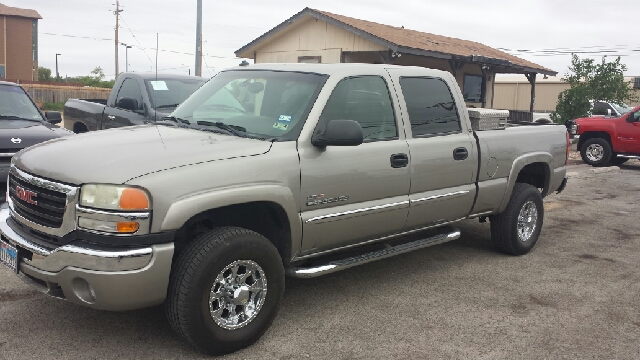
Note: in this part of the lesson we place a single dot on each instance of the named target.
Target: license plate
(9, 256)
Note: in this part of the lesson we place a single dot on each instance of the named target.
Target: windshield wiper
(233, 129)
(167, 106)
(13, 117)
(172, 121)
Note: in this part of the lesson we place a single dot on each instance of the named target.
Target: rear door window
(430, 104)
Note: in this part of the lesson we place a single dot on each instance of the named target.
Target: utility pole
(117, 13)
(199, 39)
(57, 76)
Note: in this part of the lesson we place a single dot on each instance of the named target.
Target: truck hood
(118, 155)
(16, 135)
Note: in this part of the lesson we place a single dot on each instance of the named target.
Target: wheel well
(594, 134)
(266, 218)
(79, 127)
(536, 174)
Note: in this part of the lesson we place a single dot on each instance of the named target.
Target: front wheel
(515, 231)
(596, 152)
(225, 290)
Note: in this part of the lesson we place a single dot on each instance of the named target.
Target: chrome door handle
(111, 117)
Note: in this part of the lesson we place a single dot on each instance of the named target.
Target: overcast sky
(82, 31)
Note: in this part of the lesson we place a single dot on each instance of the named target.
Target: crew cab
(22, 124)
(267, 170)
(609, 140)
(136, 98)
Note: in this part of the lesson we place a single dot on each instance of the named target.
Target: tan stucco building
(512, 92)
(18, 43)
(322, 37)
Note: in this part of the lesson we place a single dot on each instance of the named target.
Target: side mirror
(633, 117)
(127, 103)
(339, 133)
(53, 117)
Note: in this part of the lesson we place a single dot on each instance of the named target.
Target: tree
(44, 74)
(95, 79)
(592, 81)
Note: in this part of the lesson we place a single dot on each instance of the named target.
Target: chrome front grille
(49, 206)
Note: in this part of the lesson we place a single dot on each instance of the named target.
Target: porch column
(532, 80)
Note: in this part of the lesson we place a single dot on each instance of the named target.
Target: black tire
(194, 274)
(80, 128)
(602, 157)
(504, 226)
(618, 160)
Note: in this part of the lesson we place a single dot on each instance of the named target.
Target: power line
(139, 46)
(136, 39)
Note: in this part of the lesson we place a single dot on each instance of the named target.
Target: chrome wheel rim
(527, 220)
(595, 152)
(237, 294)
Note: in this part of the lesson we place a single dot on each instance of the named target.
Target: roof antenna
(155, 112)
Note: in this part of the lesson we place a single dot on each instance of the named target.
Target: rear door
(443, 151)
(352, 194)
(116, 116)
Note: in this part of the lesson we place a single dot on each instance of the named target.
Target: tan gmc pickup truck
(266, 171)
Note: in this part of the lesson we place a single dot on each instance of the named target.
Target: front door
(443, 151)
(352, 194)
(117, 116)
(628, 135)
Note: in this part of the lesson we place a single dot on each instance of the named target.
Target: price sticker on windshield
(159, 85)
(284, 118)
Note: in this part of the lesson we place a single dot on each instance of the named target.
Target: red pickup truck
(609, 140)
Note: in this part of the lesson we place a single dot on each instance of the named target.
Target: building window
(431, 108)
(472, 88)
(310, 59)
(2, 76)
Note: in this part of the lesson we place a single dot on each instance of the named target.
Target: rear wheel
(225, 290)
(515, 231)
(596, 152)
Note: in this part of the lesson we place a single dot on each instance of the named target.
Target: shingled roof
(413, 42)
(14, 11)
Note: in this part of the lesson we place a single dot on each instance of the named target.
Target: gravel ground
(575, 296)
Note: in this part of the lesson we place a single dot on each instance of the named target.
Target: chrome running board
(342, 264)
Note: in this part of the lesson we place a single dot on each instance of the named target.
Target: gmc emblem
(26, 195)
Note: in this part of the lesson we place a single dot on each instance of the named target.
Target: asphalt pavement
(575, 296)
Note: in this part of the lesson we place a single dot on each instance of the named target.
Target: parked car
(22, 124)
(608, 140)
(136, 98)
(305, 170)
(610, 109)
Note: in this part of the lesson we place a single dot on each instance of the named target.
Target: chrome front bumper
(114, 279)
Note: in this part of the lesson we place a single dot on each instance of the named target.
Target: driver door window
(130, 89)
(366, 100)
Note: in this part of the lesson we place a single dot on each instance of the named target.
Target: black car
(22, 124)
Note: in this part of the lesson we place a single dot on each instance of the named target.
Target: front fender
(185, 208)
(518, 164)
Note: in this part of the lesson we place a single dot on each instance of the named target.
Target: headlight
(114, 197)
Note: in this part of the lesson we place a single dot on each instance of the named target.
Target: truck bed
(86, 111)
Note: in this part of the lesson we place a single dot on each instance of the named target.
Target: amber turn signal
(127, 227)
(133, 199)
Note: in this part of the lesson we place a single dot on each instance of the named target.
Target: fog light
(123, 227)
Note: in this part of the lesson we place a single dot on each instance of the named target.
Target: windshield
(14, 102)
(622, 108)
(271, 104)
(166, 93)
